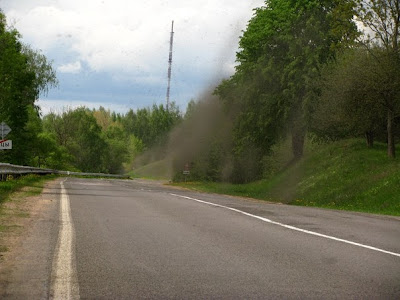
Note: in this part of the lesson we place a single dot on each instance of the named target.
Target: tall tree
(350, 104)
(117, 145)
(280, 55)
(152, 124)
(24, 74)
(382, 18)
(78, 131)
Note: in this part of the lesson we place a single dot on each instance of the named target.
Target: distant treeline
(88, 140)
(102, 141)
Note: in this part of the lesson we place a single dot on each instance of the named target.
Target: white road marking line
(64, 278)
(292, 227)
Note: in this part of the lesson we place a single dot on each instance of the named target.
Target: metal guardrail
(9, 169)
(90, 174)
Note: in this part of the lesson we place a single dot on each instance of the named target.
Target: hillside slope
(161, 169)
(341, 175)
(347, 175)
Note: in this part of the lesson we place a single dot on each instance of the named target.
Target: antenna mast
(170, 62)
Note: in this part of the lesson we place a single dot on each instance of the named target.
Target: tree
(152, 125)
(117, 145)
(280, 56)
(161, 122)
(382, 18)
(44, 74)
(24, 75)
(78, 131)
(104, 118)
(190, 109)
(135, 148)
(350, 102)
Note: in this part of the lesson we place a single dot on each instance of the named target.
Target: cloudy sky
(114, 53)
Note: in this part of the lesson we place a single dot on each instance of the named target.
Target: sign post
(5, 144)
(4, 130)
(186, 170)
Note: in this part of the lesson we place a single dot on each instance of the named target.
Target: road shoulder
(30, 235)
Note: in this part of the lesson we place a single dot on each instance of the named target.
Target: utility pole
(170, 63)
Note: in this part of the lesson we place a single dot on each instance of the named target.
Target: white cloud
(133, 35)
(70, 68)
(130, 39)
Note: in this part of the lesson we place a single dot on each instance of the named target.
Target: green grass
(157, 170)
(34, 182)
(343, 175)
(349, 176)
(15, 191)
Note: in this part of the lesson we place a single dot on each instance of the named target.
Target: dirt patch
(19, 220)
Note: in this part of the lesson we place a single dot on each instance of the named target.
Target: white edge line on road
(64, 281)
(292, 227)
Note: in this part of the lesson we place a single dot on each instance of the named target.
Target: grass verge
(34, 182)
(13, 194)
(344, 175)
(159, 170)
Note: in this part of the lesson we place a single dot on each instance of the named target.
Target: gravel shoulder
(28, 235)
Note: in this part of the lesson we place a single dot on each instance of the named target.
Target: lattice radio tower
(171, 42)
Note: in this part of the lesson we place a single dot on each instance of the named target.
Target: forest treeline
(306, 69)
(98, 140)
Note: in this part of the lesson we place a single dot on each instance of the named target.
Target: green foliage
(152, 125)
(383, 19)
(358, 92)
(44, 151)
(349, 105)
(134, 148)
(122, 147)
(190, 109)
(100, 140)
(44, 74)
(117, 153)
(281, 53)
(202, 141)
(206, 165)
(341, 175)
(78, 132)
(13, 185)
(24, 74)
(354, 178)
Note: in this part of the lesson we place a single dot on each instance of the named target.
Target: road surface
(120, 239)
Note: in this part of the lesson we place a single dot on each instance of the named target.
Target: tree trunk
(298, 136)
(391, 146)
(369, 135)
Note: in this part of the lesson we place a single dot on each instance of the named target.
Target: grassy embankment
(343, 175)
(13, 191)
(155, 170)
(33, 185)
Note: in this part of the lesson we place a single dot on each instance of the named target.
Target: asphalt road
(138, 239)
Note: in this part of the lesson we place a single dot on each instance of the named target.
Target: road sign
(4, 130)
(186, 169)
(5, 144)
